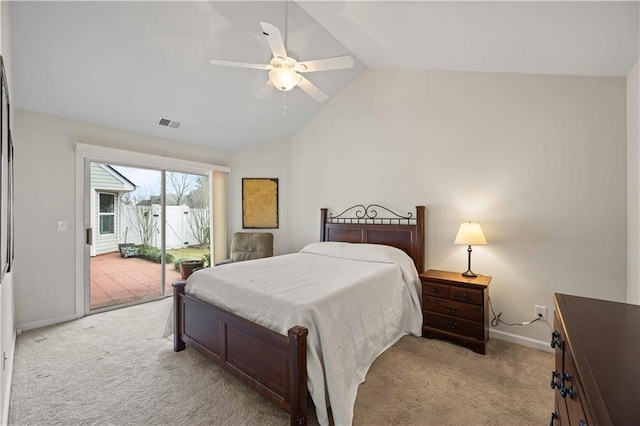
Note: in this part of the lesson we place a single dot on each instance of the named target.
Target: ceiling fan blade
(265, 90)
(240, 64)
(274, 38)
(337, 63)
(312, 90)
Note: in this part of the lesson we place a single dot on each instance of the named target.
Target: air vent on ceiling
(166, 122)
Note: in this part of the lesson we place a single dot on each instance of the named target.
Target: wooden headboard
(361, 224)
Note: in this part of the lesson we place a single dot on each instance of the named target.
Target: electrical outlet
(540, 310)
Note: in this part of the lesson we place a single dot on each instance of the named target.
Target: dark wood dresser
(455, 307)
(597, 370)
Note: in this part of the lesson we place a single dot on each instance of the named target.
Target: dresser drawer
(469, 295)
(434, 289)
(573, 391)
(453, 325)
(453, 308)
(562, 415)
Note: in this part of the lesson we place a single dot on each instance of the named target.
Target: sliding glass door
(187, 224)
(145, 224)
(126, 256)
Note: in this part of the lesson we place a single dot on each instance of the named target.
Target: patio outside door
(126, 252)
(144, 224)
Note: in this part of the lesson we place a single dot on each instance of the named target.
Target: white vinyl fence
(179, 233)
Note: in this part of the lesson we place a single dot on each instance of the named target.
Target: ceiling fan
(286, 72)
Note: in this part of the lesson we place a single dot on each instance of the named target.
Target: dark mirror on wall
(11, 235)
(6, 178)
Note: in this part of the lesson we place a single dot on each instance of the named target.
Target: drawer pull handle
(566, 377)
(567, 391)
(555, 340)
(555, 384)
(466, 295)
(554, 416)
(451, 310)
(435, 290)
(582, 423)
(450, 325)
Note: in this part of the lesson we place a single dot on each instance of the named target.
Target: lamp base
(469, 274)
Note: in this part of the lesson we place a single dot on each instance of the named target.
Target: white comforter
(356, 300)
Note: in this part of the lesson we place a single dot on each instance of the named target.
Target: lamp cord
(496, 320)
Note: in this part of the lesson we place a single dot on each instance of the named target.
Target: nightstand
(456, 307)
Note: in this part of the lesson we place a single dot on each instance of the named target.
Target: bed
(281, 361)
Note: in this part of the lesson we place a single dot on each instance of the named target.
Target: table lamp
(470, 234)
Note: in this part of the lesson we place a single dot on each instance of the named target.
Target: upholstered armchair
(249, 245)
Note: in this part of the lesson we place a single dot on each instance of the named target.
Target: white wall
(265, 161)
(633, 185)
(539, 161)
(45, 193)
(7, 313)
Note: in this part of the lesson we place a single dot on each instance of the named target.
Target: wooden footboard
(273, 365)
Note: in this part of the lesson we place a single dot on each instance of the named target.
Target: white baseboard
(524, 341)
(44, 323)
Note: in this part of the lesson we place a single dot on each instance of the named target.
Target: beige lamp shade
(470, 234)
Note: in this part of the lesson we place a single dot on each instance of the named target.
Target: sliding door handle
(89, 236)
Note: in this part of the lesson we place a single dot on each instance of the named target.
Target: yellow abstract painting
(259, 203)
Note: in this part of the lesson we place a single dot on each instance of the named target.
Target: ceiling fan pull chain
(284, 103)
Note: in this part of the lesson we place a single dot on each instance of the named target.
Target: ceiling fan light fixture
(284, 78)
(286, 72)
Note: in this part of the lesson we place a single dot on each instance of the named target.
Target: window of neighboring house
(107, 213)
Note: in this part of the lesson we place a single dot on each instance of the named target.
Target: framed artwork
(259, 203)
(4, 173)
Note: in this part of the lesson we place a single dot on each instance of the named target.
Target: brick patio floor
(116, 280)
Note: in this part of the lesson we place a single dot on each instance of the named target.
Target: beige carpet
(114, 369)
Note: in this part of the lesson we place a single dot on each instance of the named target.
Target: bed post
(298, 375)
(420, 231)
(178, 316)
(323, 222)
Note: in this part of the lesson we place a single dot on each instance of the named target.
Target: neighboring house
(107, 186)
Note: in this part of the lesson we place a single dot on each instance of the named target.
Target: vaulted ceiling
(126, 64)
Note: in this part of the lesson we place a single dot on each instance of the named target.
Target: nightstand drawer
(453, 308)
(453, 325)
(437, 290)
(468, 295)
